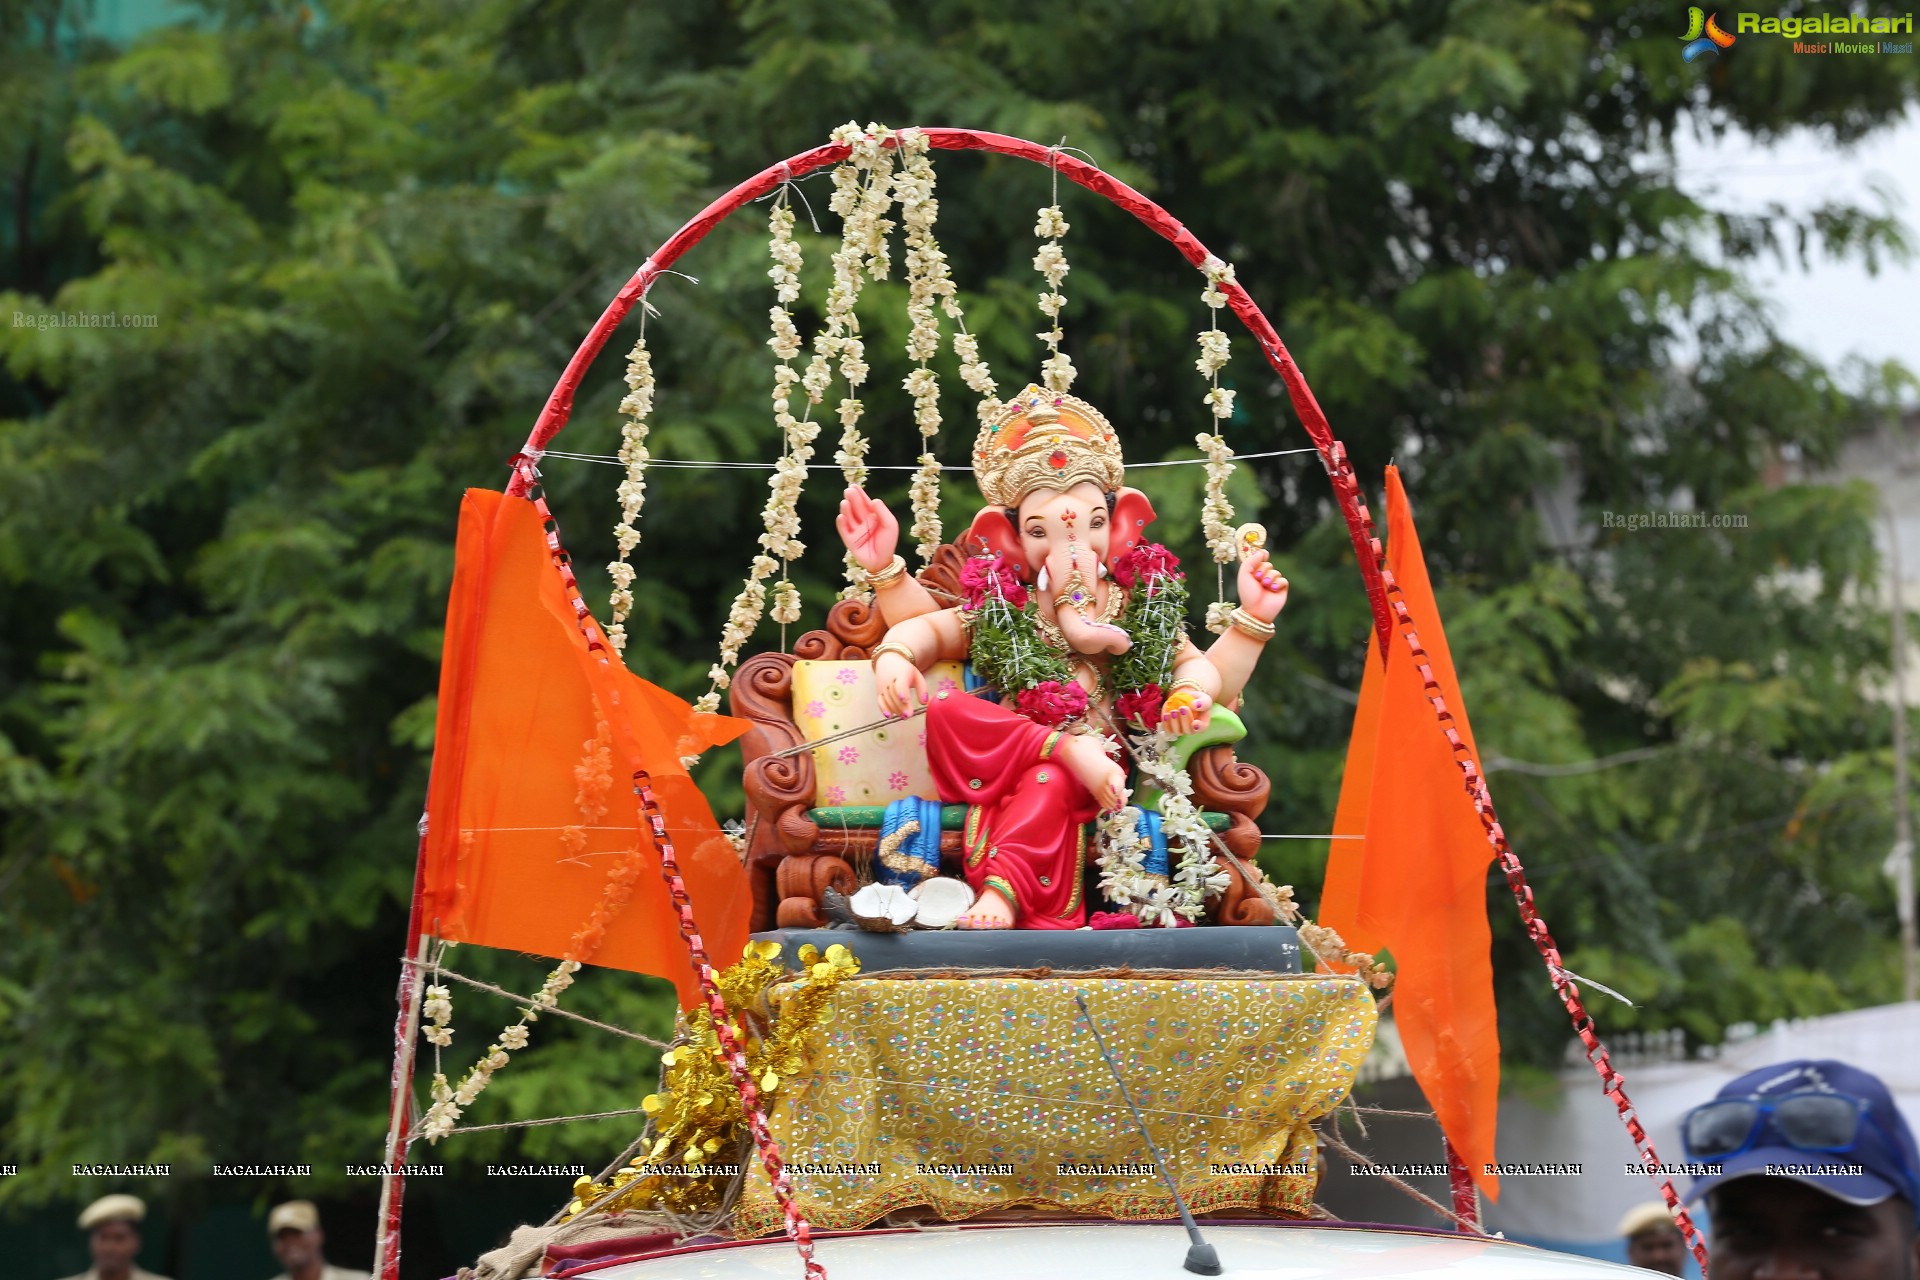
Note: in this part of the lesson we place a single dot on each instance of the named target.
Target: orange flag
(1416, 885)
(531, 804)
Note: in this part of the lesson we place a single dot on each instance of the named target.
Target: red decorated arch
(1391, 614)
(1333, 455)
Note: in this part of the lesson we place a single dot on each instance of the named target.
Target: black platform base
(1268, 948)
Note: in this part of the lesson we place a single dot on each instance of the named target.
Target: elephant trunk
(1063, 583)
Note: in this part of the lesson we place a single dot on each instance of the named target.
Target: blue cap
(1883, 1161)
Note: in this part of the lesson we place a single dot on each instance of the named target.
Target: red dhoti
(1026, 834)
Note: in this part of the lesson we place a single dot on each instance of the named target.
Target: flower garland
(865, 184)
(1003, 623)
(782, 515)
(448, 1100)
(635, 407)
(1216, 512)
(1214, 346)
(862, 195)
(1002, 619)
(1155, 617)
(1216, 519)
(928, 283)
(1331, 949)
(696, 1114)
(438, 1007)
(1122, 860)
(1198, 872)
(974, 371)
(1057, 369)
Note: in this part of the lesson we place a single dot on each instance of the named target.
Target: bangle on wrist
(1187, 683)
(895, 570)
(895, 647)
(1250, 626)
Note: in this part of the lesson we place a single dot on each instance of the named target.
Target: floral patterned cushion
(870, 768)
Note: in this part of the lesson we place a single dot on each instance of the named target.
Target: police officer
(297, 1239)
(1654, 1243)
(112, 1224)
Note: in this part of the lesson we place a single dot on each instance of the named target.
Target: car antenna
(1201, 1259)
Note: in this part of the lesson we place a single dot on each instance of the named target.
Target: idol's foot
(992, 911)
(1098, 772)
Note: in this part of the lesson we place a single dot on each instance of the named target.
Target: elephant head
(1062, 542)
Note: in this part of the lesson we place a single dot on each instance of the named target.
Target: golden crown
(1045, 440)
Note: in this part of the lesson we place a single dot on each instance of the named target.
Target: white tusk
(1042, 587)
(1099, 569)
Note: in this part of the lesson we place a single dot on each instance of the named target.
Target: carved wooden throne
(792, 858)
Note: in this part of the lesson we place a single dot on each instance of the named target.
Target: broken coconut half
(883, 908)
(942, 900)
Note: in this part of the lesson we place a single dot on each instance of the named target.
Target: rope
(528, 1124)
(857, 730)
(544, 1010)
(1334, 1140)
(1261, 886)
(697, 464)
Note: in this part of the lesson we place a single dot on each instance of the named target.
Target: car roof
(1120, 1251)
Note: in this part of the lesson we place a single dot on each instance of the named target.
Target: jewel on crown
(1045, 440)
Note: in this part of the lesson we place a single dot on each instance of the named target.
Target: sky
(1836, 309)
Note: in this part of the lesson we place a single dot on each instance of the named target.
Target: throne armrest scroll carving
(1225, 784)
(779, 788)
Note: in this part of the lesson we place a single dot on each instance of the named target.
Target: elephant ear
(1132, 513)
(992, 531)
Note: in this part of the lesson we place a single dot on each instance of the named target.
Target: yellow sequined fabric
(971, 1095)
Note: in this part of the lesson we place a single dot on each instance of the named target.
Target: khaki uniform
(331, 1272)
(135, 1274)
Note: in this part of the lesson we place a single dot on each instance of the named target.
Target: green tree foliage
(370, 239)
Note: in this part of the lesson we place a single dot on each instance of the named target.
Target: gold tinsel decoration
(697, 1121)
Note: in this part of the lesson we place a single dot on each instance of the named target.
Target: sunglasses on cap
(1812, 1121)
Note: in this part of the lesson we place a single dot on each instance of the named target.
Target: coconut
(942, 900)
(883, 908)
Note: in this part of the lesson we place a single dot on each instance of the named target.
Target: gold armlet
(1248, 625)
(895, 647)
(895, 570)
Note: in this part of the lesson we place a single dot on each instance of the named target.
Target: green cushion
(1224, 728)
(850, 817)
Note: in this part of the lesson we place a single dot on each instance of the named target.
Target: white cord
(700, 464)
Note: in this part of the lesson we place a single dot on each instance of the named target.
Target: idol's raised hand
(868, 529)
(1263, 588)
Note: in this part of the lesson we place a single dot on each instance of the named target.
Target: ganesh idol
(1078, 622)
